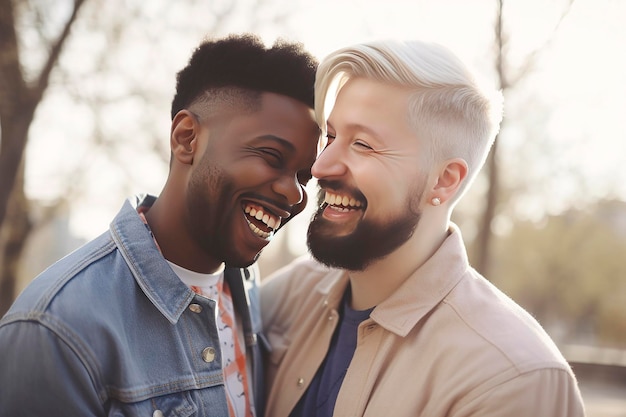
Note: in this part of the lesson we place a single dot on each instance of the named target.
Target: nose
(289, 186)
(329, 163)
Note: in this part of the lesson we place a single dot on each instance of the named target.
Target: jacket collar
(150, 269)
(333, 286)
(425, 288)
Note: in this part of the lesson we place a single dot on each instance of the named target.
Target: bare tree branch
(533, 56)
(18, 101)
(55, 52)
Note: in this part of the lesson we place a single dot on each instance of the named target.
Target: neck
(384, 276)
(166, 220)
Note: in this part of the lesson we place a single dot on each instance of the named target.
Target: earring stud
(436, 201)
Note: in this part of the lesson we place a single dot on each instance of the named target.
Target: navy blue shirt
(320, 397)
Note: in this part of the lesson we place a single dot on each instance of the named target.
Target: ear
(449, 180)
(183, 137)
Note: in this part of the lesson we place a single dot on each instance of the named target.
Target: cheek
(380, 182)
(386, 190)
(250, 173)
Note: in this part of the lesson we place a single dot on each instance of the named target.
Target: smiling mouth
(341, 203)
(262, 221)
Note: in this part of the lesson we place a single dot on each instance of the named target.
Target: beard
(370, 241)
(210, 215)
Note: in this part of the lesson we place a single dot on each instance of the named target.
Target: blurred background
(85, 92)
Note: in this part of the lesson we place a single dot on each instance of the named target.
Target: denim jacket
(110, 330)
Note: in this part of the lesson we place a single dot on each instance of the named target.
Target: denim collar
(151, 271)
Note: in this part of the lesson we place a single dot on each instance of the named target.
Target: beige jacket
(447, 343)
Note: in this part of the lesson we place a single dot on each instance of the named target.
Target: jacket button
(157, 413)
(300, 382)
(208, 354)
(196, 308)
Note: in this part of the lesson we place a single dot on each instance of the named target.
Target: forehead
(288, 118)
(372, 105)
(284, 121)
(272, 113)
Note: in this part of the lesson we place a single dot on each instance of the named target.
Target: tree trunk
(14, 108)
(16, 115)
(18, 102)
(485, 234)
(17, 227)
(482, 244)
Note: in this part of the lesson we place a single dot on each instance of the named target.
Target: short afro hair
(243, 61)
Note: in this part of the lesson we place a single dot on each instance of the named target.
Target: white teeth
(273, 222)
(258, 231)
(337, 200)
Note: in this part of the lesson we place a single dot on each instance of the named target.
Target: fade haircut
(242, 63)
(452, 116)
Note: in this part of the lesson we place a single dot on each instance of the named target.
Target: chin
(370, 241)
(237, 261)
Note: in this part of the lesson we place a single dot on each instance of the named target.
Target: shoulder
(87, 291)
(61, 278)
(297, 286)
(541, 392)
(492, 352)
(504, 328)
(59, 309)
(299, 278)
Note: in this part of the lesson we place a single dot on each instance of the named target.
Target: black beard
(367, 243)
(209, 193)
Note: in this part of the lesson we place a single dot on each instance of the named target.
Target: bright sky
(580, 82)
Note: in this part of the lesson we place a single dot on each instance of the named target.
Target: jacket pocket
(179, 405)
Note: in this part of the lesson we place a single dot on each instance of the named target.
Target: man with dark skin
(159, 315)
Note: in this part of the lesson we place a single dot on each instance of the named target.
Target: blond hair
(450, 113)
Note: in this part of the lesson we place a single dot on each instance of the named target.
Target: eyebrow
(358, 126)
(278, 140)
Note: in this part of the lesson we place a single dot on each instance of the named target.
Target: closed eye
(272, 155)
(364, 145)
(325, 142)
